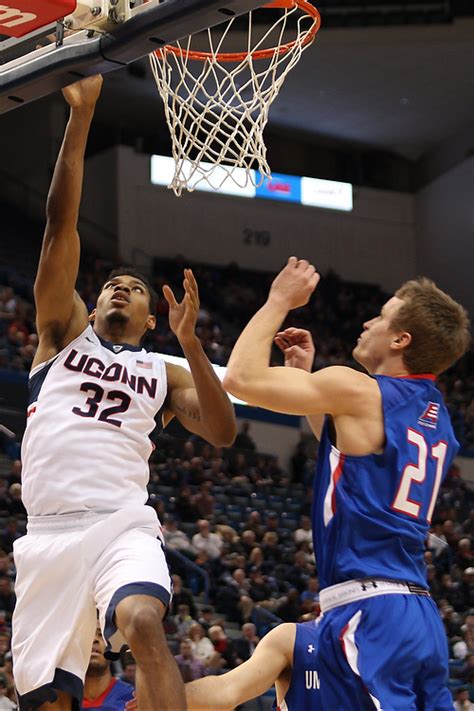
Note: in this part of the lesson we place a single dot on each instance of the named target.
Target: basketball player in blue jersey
(94, 395)
(386, 443)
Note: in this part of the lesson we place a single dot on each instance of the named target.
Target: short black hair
(127, 270)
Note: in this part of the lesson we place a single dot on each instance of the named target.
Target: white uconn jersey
(92, 409)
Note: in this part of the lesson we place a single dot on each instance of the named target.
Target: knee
(141, 625)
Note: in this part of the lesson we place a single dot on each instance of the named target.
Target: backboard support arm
(49, 69)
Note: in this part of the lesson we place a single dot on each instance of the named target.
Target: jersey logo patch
(144, 364)
(311, 648)
(430, 416)
(117, 349)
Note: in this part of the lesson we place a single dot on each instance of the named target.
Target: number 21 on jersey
(416, 473)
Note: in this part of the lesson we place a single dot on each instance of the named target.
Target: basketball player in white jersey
(94, 395)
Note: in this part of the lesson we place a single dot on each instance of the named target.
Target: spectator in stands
(243, 439)
(129, 669)
(205, 618)
(203, 649)
(464, 558)
(185, 508)
(451, 621)
(7, 671)
(223, 645)
(181, 596)
(9, 535)
(466, 671)
(7, 596)
(14, 475)
(208, 542)
(468, 525)
(254, 523)
(4, 645)
(467, 587)
(247, 542)
(465, 646)
(101, 689)
(204, 501)
(190, 667)
(462, 701)
(272, 522)
(312, 590)
(5, 702)
(177, 539)
(16, 504)
(271, 548)
(299, 573)
(304, 532)
(259, 589)
(183, 621)
(246, 644)
(290, 608)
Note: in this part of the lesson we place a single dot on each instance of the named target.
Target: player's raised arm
(336, 390)
(272, 656)
(60, 313)
(196, 399)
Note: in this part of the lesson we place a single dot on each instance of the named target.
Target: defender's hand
(298, 348)
(295, 283)
(84, 92)
(131, 705)
(183, 316)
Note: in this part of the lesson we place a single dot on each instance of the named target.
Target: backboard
(48, 58)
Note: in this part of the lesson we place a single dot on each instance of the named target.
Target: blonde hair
(438, 325)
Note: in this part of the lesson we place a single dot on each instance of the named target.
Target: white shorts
(67, 567)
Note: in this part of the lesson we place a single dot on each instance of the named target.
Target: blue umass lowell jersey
(371, 514)
(303, 693)
(114, 697)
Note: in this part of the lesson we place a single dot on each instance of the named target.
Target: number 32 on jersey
(416, 473)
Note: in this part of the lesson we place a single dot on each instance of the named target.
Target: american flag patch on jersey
(144, 364)
(430, 416)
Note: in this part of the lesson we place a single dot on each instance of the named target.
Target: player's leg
(158, 681)
(53, 622)
(369, 653)
(132, 590)
(432, 682)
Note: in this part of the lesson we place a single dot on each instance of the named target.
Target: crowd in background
(229, 297)
(236, 522)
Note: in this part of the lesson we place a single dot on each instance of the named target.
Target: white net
(217, 101)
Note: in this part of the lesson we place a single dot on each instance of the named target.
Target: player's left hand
(298, 348)
(83, 93)
(131, 705)
(295, 283)
(183, 315)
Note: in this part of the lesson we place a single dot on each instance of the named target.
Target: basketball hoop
(217, 100)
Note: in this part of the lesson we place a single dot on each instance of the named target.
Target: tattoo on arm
(193, 414)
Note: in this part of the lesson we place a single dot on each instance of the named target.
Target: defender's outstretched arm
(273, 655)
(60, 313)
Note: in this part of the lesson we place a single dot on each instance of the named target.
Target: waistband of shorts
(354, 590)
(65, 522)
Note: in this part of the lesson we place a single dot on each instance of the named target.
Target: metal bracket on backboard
(51, 68)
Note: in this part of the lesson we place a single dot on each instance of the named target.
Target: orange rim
(303, 5)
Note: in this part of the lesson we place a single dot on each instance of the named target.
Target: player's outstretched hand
(298, 348)
(295, 283)
(84, 92)
(183, 315)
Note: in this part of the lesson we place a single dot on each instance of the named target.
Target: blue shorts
(386, 653)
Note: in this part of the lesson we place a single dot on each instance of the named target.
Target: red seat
(19, 17)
